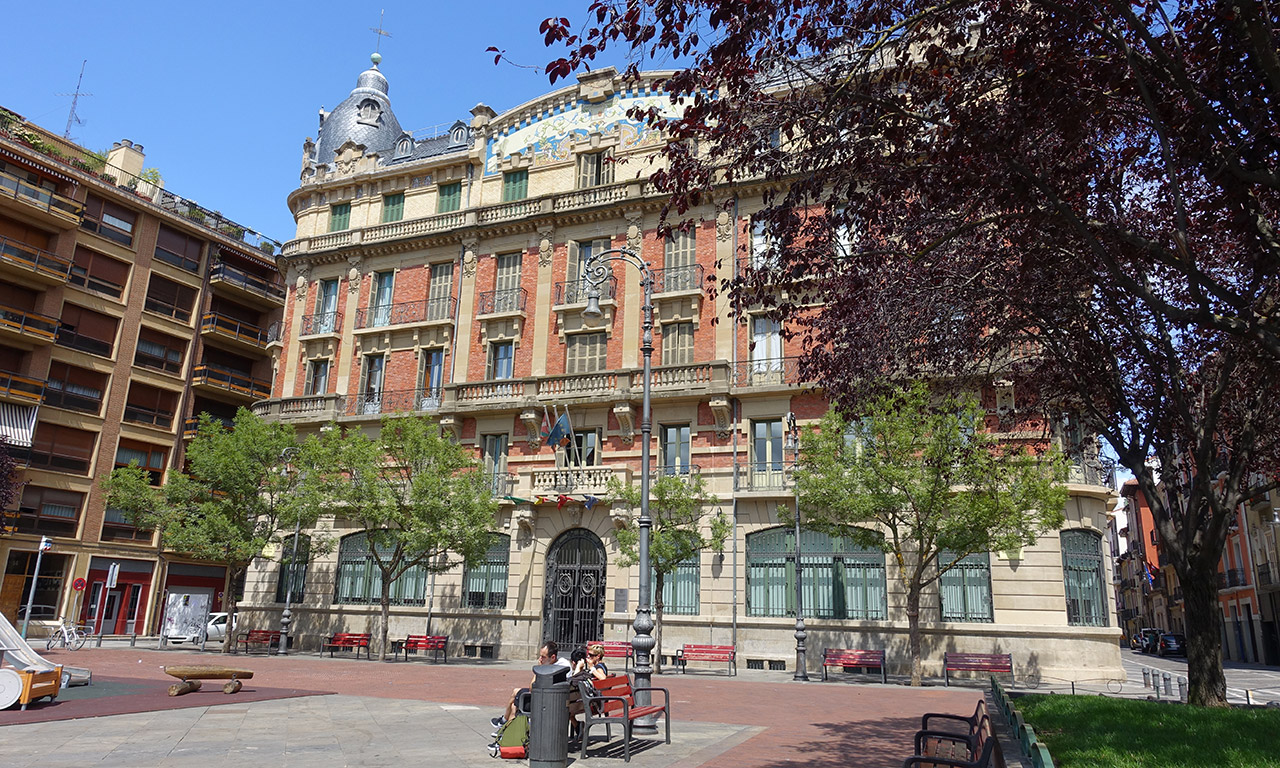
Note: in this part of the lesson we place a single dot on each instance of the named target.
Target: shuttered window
(515, 185)
(179, 249)
(966, 588)
(586, 353)
(680, 588)
(677, 344)
(1082, 575)
(450, 197)
(392, 207)
(359, 580)
(595, 169)
(840, 579)
(339, 217)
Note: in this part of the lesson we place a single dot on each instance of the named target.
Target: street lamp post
(598, 269)
(286, 616)
(793, 442)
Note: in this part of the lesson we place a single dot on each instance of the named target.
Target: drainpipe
(733, 367)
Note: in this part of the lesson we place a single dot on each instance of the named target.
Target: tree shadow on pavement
(879, 743)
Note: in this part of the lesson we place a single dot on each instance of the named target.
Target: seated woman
(590, 666)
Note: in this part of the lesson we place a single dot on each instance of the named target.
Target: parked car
(1145, 640)
(216, 630)
(1172, 645)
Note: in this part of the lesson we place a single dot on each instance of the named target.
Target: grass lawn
(1099, 732)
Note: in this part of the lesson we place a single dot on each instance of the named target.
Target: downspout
(733, 367)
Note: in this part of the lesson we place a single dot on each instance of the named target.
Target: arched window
(369, 111)
(1082, 576)
(966, 588)
(841, 579)
(485, 583)
(293, 570)
(359, 581)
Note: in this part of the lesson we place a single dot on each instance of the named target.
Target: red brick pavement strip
(823, 725)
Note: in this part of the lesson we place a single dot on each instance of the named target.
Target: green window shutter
(450, 197)
(392, 207)
(515, 185)
(339, 217)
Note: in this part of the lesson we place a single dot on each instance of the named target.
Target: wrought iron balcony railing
(321, 322)
(686, 278)
(575, 291)
(394, 401)
(767, 372)
(498, 302)
(426, 311)
(1092, 470)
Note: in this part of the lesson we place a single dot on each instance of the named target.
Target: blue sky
(221, 95)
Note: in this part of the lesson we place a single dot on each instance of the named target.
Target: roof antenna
(72, 117)
(381, 33)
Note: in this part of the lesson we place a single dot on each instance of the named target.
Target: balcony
(27, 329)
(575, 291)
(221, 380)
(148, 417)
(236, 334)
(501, 484)
(772, 478)
(59, 397)
(1264, 575)
(32, 265)
(505, 302)
(409, 313)
(41, 204)
(767, 372)
(1092, 470)
(305, 408)
(695, 378)
(678, 279)
(16, 388)
(320, 324)
(684, 471)
(564, 480)
(502, 392)
(1232, 578)
(191, 426)
(581, 385)
(246, 287)
(57, 461)
(84, 342)
(424, 400)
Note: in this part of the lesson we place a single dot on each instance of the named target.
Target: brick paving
(760, 719)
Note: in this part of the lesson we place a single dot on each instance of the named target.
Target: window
(116, 527)
(1083, 580)
(586, 353)
(339, 216)
(506, 284)
(165, 297)
(87, 331)
(763, 251)
(515, 185)
(680, 588)
(150, 406)
(98, 273)
(371, 381)
(109, 220)
(430, 379)
(493, 449)
(380, 303)
(485, 583)
(178, 249)
(49, 512)
(317, 377)
(439, 292)
(450, 197)
(159, 352)
(841, 579)
(327, 307)
(966, 588)
(359, 580)
(61, 449)
(501, 360)
(766, 454)
(150, 458)
(679, 262)
(677, 344)
(75, 389)
(675, 448)
(575, 285)
(766, 352)
(585, 450)
(293, 571)
(392, 207)
(595, 169)
(20, 571)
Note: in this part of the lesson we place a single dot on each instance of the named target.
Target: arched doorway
(573, 608)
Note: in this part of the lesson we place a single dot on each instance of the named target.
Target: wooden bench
(612, 700)
(976, 662)
(617, 649)
(725, 653)
(988, 755)
(266, 638)
(439, 644)
(843, 657)
(346, 641)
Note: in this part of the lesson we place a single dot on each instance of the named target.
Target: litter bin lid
(550, 674)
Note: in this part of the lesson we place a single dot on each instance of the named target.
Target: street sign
(78, 585)
(46, 543)
(113, 573)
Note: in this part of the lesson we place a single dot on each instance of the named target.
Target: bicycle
(67, 635)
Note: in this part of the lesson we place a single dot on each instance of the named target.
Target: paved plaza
(308, 710)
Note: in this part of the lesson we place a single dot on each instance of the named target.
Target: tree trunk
(1208, 685)
(228, 636)
(913, 633)
(385, 617)
(655, 658)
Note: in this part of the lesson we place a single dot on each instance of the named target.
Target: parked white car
(216, 629)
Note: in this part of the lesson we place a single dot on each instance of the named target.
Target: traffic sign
(78, 585)
(113, 573)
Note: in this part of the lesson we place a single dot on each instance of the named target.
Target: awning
(39, 167)
(17, 423)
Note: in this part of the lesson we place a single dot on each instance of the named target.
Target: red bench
(726, 653)
(266, 638)
(617, 649)
(414, 643)
(976, 662)
(844, 658)
(613, 701)
(346, 641)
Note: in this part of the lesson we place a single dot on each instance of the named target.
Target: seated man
(547, 654)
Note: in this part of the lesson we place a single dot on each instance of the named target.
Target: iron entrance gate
(573, 609)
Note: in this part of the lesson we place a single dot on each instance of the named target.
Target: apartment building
(443, 274)
(125, 311)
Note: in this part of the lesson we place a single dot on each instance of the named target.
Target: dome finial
(376, 58)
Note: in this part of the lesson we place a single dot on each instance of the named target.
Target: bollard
(1182, 688)
(99, 645)
(133, 640)
(549, 718)
(1168, 684)
(1146, 678)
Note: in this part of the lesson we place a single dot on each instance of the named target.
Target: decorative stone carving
(722, 412)
(300, 284)
(469, 256)
(635, 231)
(525, 516)
(451, 426)
(724, 225)
(353, 274)
(533, 425)
(620, 514)
(546, 246)
(626, 416)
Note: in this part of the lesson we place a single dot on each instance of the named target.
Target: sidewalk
(322, 711)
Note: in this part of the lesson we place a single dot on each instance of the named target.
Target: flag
(546, 425)
(516, 499)
(561, 500)
(559, 434)
(590, 501)
(541, 500)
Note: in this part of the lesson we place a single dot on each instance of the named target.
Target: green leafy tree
(679, 506)
(420, 498)
(921, 471)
